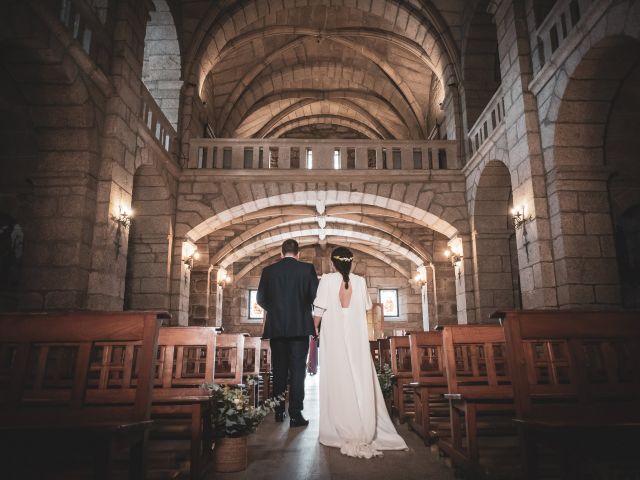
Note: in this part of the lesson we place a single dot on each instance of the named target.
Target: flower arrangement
(231, 412)
(385, 375)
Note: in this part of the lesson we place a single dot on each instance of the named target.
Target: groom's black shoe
(280, 416)
(298, 421)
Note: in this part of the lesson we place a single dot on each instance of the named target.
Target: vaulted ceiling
(265, 69)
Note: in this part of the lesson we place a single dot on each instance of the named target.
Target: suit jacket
(286, 293)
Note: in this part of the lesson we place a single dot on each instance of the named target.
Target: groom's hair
(290, 246)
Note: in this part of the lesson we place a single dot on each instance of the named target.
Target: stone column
(537, 275)
(121, 152)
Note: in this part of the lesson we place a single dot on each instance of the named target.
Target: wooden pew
(480, 398)
(251, 365)
(429, 384)
(577, 390)
(229, 359)
(185, 362)
(265, 369)
(385, 352)
(75, 383)
(402, 375)
(374, 348)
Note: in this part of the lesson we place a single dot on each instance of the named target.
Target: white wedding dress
(353, 415)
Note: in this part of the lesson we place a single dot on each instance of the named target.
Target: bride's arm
(316, 323)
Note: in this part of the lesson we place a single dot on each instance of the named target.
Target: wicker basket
(230, 454)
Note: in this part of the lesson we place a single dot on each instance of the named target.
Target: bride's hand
(317, 331)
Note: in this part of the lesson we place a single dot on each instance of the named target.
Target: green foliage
(231, 413)
(385, 378)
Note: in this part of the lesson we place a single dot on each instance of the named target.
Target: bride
(353, 415)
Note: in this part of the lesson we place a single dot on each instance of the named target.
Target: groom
(286, 293)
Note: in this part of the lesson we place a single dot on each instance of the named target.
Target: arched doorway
(594, 182)
(147, 281)
(495, 255)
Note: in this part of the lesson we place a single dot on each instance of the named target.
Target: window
(255, 310)
(336, 159)
(397, 158)
(248, 157)
(417, 158)
(295, 157)
(202, 157)
(226, 157)
(273, 157)
(351, 158)
(371, 158)
(389, 301)
(309, 158)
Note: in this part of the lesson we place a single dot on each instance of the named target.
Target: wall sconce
(421, 276)
(123, 220)
(223, 278)
(520, 221)
(189, 255)
(454, 253)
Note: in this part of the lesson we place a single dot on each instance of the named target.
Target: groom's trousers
(289, 363)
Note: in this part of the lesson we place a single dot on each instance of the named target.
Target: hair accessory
(343, 259)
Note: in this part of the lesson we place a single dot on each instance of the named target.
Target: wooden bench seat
(384, 351)
(576, 378)
(402, 376)
(180, 403)
(265, 369)
(229, 359)
(74, 381)
(480, 397)
(374, 348)
(251, 366)
(431, 419)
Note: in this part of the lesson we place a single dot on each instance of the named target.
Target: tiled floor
(277, 452)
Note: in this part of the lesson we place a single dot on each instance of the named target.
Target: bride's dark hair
(342, 258)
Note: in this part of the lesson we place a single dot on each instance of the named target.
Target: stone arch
(375, 103)
(267, 241)
(162, 66)
(495, 255)
(316, 105)
(279, 222)
(147, 280)
(592, 154)
(324, 198)
(320, 119)
(362, 247)
(480, 49)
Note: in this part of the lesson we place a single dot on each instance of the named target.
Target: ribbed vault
(264, 69)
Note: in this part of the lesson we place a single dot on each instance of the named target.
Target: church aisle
(278, 452)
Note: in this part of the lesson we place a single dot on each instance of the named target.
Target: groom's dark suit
(286, 293)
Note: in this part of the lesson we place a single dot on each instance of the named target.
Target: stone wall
(377, 275)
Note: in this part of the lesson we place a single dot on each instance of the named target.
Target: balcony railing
(555, 28)
(156, 123)
(491, 117)
(339, 154)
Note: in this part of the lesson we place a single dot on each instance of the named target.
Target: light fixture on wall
(123, 222)
(189, 254)
(223, 278)
(520, 222)
(454, 253)
(421, 276)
